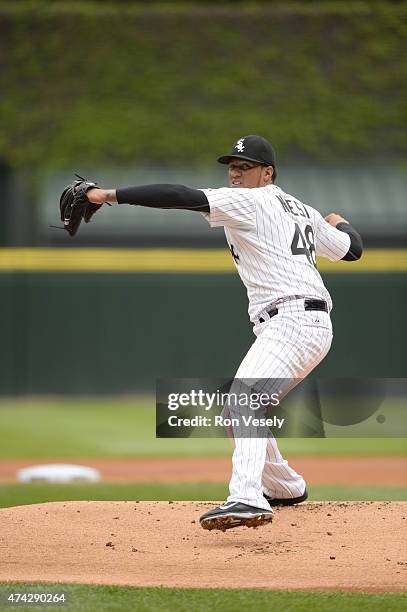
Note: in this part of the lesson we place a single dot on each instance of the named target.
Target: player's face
(248, 174)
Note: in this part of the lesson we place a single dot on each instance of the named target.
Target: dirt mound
(329, 545)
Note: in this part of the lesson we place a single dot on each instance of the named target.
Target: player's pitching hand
(334, 219)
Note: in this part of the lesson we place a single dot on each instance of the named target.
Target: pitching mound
(330, 545)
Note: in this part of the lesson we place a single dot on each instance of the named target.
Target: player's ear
(268, 174)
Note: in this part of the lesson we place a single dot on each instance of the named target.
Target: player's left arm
(221, 207)
(164, 196)
(356, 245)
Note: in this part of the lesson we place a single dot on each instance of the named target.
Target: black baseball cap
(253, 148)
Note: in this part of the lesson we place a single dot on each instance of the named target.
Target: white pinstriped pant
(288, 346)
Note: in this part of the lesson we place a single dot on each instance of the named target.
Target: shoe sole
(290, 501)
(230, 521)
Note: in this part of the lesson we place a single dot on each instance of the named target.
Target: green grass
(21, 494)
(350, 447)
(90, 428)
(125, 427)
(89, 598)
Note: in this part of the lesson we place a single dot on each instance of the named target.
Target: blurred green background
(130, 92)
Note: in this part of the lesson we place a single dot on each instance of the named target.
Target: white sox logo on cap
(253, 148)
(239, 146)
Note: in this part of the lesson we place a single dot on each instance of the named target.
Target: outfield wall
(116, 332)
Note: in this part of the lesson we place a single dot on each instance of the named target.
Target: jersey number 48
(304, 244)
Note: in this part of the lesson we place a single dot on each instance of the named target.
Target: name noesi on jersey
(274, 239)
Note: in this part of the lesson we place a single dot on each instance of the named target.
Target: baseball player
(274, 239)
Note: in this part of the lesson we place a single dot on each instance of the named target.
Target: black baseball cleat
(235, 514)
(289, 501)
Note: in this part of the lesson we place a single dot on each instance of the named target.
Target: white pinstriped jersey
(274, 239)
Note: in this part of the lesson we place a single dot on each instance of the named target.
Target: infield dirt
(318, 546)
(389, 471)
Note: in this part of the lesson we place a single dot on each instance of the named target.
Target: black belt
(308, 305)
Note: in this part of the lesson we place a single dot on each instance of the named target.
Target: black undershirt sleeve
(356, 245)
(164, 196)
(169, 196)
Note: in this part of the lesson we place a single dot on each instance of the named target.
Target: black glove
(75, 206)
